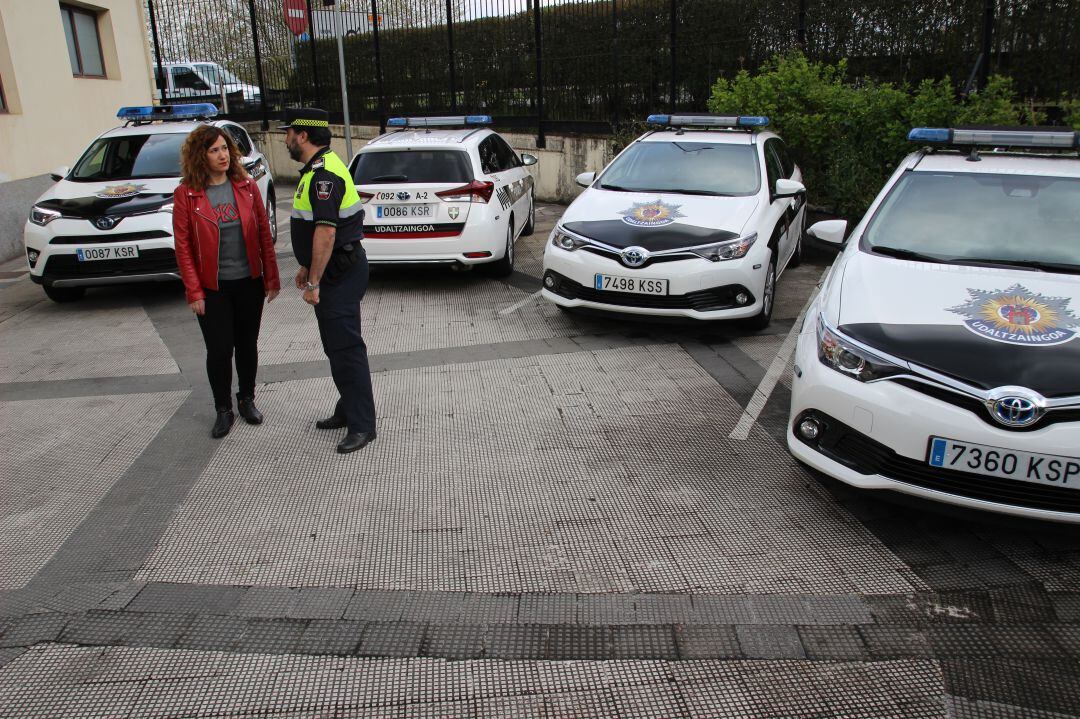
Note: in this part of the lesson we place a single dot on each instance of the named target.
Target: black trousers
(338, 313)
(231, 323)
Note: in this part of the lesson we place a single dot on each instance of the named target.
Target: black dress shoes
(334, 421)
(354, 441)
(223, 423)
(248, 410)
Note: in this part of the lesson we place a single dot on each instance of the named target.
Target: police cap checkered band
(305, 117)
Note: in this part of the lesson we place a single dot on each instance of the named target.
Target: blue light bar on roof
(708, 120)
(1064, 139)
(445, 121)
(168, 112)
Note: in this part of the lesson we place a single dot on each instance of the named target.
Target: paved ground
(558, 519)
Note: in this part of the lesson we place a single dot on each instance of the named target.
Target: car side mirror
(788, 188)
(830, 232)
(59, 173)
(527, 159)
(585, 179)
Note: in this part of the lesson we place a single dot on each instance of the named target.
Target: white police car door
(782, 212)
(499, 161)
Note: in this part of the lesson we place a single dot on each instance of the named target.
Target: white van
(207, 82)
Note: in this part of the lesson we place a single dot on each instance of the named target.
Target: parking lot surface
(564, 515)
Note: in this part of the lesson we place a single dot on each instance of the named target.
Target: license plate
(113, 252)
(396, 211)
(635, 285)
(1007, 463)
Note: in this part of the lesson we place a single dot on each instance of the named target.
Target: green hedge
(848, 134)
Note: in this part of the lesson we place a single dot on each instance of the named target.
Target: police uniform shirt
(325, 192)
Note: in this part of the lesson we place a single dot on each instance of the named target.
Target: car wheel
(64, 294)
(271, 213)
(504, 266)
(530, 224)
(768, 297)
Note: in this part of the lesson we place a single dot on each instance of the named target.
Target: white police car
(444, 190)
(941, 357)
(696, 219)
(108, 219)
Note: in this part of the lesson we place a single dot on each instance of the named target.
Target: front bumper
(877, 435)
(57, 244)
(697, 288)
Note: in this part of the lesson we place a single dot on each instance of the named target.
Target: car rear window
(373, 168)
(130, 157)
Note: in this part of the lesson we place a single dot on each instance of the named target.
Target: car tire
(64, 294)
(530, 224)
(503, 266)
(271, 213)
(768, 298)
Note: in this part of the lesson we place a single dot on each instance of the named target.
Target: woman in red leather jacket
(225, 252)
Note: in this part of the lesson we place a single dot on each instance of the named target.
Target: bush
(848, 136)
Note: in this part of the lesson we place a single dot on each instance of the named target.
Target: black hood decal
(88, 207)
(655, 239)
(1052, 371)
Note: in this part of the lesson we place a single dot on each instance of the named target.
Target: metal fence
(553, 65)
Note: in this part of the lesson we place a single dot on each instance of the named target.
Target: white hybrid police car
(941, 357)
(444, 190)
(108, 219)
(697, 219)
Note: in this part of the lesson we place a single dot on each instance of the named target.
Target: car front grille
(715, 298)
(109, 238)
(976, 407)
(60, 267)
(868, 456)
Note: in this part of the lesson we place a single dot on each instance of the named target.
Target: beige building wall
(53, 115)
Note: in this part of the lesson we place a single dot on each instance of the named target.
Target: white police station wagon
(444, 190)
(108, 219)
(697, 219)
(941, 357)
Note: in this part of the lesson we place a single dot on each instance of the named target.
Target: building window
(83, 42)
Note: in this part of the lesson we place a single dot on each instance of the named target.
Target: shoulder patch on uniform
(318, 164)
(323, 188)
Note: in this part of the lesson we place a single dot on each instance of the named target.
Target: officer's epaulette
(317, 165)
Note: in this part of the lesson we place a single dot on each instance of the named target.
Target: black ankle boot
(223, 423)
(248, 410)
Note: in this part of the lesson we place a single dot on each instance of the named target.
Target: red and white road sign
(296, 16)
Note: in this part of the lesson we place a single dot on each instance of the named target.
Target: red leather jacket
(195, 232)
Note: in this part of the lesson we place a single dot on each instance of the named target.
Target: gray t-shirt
(232, 255)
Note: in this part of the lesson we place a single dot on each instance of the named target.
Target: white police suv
(108, 219)
(941, 357)
(696, 219)
(444, 190)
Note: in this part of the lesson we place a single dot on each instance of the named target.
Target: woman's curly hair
(194, 169)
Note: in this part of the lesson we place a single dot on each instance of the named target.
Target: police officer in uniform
(326, 227)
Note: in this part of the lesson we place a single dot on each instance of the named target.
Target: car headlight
(727, 250)
(844, 357)
(566, 241)
(166, 208)
(42, 215)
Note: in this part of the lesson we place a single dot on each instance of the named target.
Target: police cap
(302, 118)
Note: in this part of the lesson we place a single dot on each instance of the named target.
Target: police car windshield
(1022, 221)
(697, 168)
(433, 166)
(129, 157)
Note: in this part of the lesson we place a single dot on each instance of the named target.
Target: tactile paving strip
(559, 474)
(107, 336)
(139, 682)
(60, 457)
